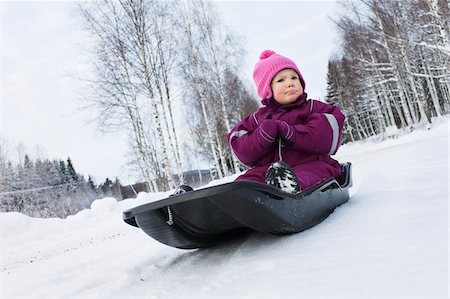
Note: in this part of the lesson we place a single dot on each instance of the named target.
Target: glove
(267, 133)
(286, 131)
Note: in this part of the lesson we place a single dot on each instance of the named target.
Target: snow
(389, 240)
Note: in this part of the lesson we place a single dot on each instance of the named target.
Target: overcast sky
(42, 47)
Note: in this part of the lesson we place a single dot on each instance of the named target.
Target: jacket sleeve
(322, 131)
(244, 143)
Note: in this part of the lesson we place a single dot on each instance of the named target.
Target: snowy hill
(389, 240)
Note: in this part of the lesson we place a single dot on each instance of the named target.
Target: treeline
(48, 188)
(394, 70)
(155, 61)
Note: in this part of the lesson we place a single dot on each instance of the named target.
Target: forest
(152, 58)
(48, 188)
(394, 67)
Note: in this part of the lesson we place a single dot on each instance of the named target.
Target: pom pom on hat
(269, 64)
(266, 53)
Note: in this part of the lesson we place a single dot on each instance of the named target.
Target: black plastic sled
(208, 216)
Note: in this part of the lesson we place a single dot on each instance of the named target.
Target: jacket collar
(271, 103)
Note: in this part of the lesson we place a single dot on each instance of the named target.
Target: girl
(288, 142)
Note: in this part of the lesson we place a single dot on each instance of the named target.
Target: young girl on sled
(288, 142)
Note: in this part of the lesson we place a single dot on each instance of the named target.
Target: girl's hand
(285, 130)
(267, 133)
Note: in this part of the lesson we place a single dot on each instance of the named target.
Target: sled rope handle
(279, 150)
(169, 213)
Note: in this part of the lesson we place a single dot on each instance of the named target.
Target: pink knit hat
(269, 64)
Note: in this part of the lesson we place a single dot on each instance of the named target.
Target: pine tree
(71, 170)
(332, 96)
(106, 187)
(53, 174)
(62, 172)
(72, 176)
(91, 183)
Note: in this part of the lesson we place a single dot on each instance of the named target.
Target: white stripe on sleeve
(335, 127)
(254, 117)
(238, 133)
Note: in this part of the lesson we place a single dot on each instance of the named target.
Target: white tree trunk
(145, 63)
(210, 136)
(194, 64)
(431, 86)
(403, 100)
(412, 83)
(223, 160)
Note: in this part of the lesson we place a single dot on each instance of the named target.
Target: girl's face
(286, 86)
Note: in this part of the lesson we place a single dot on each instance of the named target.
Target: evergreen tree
(72, 176)
(71, 170)
(91, 183)
(106, 187)
(30, 174)
(62, 172)
(332, 96)
(53, 174)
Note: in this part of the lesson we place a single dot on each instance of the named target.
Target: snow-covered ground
(389, 240)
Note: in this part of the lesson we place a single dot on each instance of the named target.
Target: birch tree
(209, 55)
(136, 53)
(116, 93)
(145, 49)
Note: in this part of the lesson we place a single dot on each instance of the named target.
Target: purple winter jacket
(317, 132)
